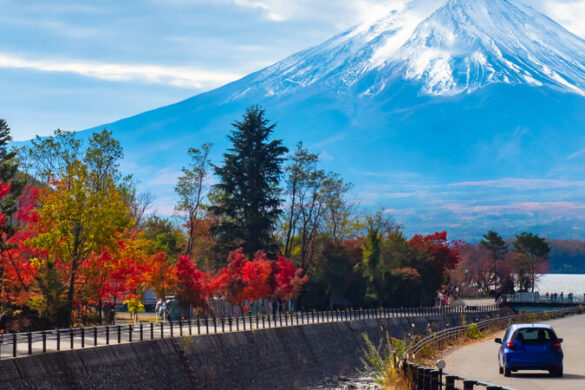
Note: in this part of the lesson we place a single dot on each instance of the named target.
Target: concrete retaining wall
(281, 358)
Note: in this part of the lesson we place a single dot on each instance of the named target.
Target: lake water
(557, 283)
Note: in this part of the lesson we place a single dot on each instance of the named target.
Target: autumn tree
(191, 188)
(9, 173)
(289, 280)
(76, 220)
(248, 190)
(102, 157)
(11, 186)
(165, 235)
(257, 277)
(46, 158)
(230, 282)
(443, 253)
(303, 216)
(16, 273)
(193, 285)
(161, 275)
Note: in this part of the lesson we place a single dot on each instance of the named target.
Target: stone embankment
(362, 382)
(292, 357)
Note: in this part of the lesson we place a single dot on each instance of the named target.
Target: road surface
(479, 361)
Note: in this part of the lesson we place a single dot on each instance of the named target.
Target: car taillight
(510, 345)
(557, 345)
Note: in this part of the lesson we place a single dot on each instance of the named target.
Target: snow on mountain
(450, 47)
(441, 111)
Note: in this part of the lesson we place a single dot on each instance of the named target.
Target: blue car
(530, 347)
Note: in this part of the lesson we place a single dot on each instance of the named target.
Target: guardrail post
(427, 381)
(250, 321)
(130, 333)
(14, 350)
(141, 332)
(450, 382)
(172, 332)
(119, 334)
(44, 334)
(190, 326)
(58, 340)
(29, 337)
(207, 324)
(107, 335)
(434, 380)
(414, 375)
(162, 330)
(420, 378)
(82, 337)
(71, 338)
(468, 385)
(151, 331)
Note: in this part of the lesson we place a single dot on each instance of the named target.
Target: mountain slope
(409, 108)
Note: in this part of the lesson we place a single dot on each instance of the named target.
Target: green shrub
(473, 332)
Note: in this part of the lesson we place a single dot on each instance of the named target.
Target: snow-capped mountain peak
(467, 44)
(447, 46)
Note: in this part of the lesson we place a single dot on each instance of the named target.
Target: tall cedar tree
(248, 192)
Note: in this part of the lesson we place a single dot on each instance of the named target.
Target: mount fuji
(458, 115)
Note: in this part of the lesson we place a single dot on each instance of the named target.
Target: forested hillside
(567, 256)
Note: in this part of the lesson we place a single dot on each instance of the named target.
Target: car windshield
(534, 335)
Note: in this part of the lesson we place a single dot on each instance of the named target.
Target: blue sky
(74, 64)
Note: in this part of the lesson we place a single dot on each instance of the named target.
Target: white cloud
(342, 13)
(569, 13)
(182, 77)
(521, 184)
(165, 177)
(549, 209)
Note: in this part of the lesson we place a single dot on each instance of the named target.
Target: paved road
(480, 362)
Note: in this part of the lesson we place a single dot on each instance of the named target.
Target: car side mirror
(498, 341)
(560, 340)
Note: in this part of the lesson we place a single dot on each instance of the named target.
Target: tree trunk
(66, 320)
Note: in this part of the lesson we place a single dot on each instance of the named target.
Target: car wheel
(507, 372)
(559, 372)
(501, 370)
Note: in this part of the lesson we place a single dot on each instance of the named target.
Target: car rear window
(534, 335)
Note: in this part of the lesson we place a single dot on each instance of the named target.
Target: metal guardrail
(14, 345)
(424, 378)
(544, 299)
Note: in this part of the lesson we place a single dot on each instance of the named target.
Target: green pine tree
(497, 248)
(248, 194)
(533, 252)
